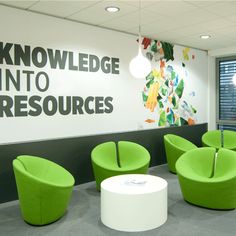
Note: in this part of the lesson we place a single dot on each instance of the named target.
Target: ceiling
(178, 22)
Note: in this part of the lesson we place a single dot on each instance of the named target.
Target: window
(226, 93)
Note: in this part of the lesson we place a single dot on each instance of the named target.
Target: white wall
(129, 113)
(211, 93)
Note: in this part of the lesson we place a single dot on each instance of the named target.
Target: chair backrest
(225, 163)
(126, 154)
(20, 170)
(179, 142)
(132, 153)
(200, 161)
(44, 170)
(213, 138)
(33, 165)
(229, 139)
(105, 155)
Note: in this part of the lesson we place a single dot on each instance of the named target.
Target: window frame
(221, 122)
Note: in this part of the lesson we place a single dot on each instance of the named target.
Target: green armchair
(44, 189)
(208, 180)
(175, 146)
(109, 160)
(213, 139)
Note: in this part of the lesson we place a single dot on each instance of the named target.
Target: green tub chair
(175, 146)
(127, 158)
(44, 189)
(213, 139)
(208, 180)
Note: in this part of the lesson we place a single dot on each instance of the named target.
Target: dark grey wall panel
(74, 153)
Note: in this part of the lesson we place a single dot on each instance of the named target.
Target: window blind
(227, 93)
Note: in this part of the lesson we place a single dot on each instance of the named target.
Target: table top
(134, 184)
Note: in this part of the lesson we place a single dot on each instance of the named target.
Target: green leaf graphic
(172, 75)
(180, 88)
(162, 119)
(154, 46)
(149, 83)
(183, 121)
(168, 51)
(170, 118)
(174, 101)
(164, 91)
(193, 109)
(160, 104)
(145, 97)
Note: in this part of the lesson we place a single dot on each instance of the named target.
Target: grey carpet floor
(83, 216)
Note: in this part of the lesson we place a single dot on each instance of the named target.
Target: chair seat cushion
(207, 179)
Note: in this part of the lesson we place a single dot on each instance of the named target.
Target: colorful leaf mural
(164, 88)
(158, 49)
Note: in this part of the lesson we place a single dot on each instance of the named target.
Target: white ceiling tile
(19, 4)
(189, 30)
(145, 17)
(216, 24)
(221, 34)
(120, 25)
(202, 3)
(163, 25)
(61, 8)
(228, 32)
(143, 4)
(131, 20)
(171, 8)
(197, 16)
(223, 8)
(231, 18)
(97, 14)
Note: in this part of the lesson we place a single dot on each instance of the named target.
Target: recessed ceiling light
(112, 9)
(205, 36)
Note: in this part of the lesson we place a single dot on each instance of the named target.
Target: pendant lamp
(140, 66)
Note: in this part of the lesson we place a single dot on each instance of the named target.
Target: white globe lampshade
(234, 79)
(140, 66)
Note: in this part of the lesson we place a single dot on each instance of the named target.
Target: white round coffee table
(134, 202)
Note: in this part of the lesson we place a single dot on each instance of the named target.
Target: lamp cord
(139, 25)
